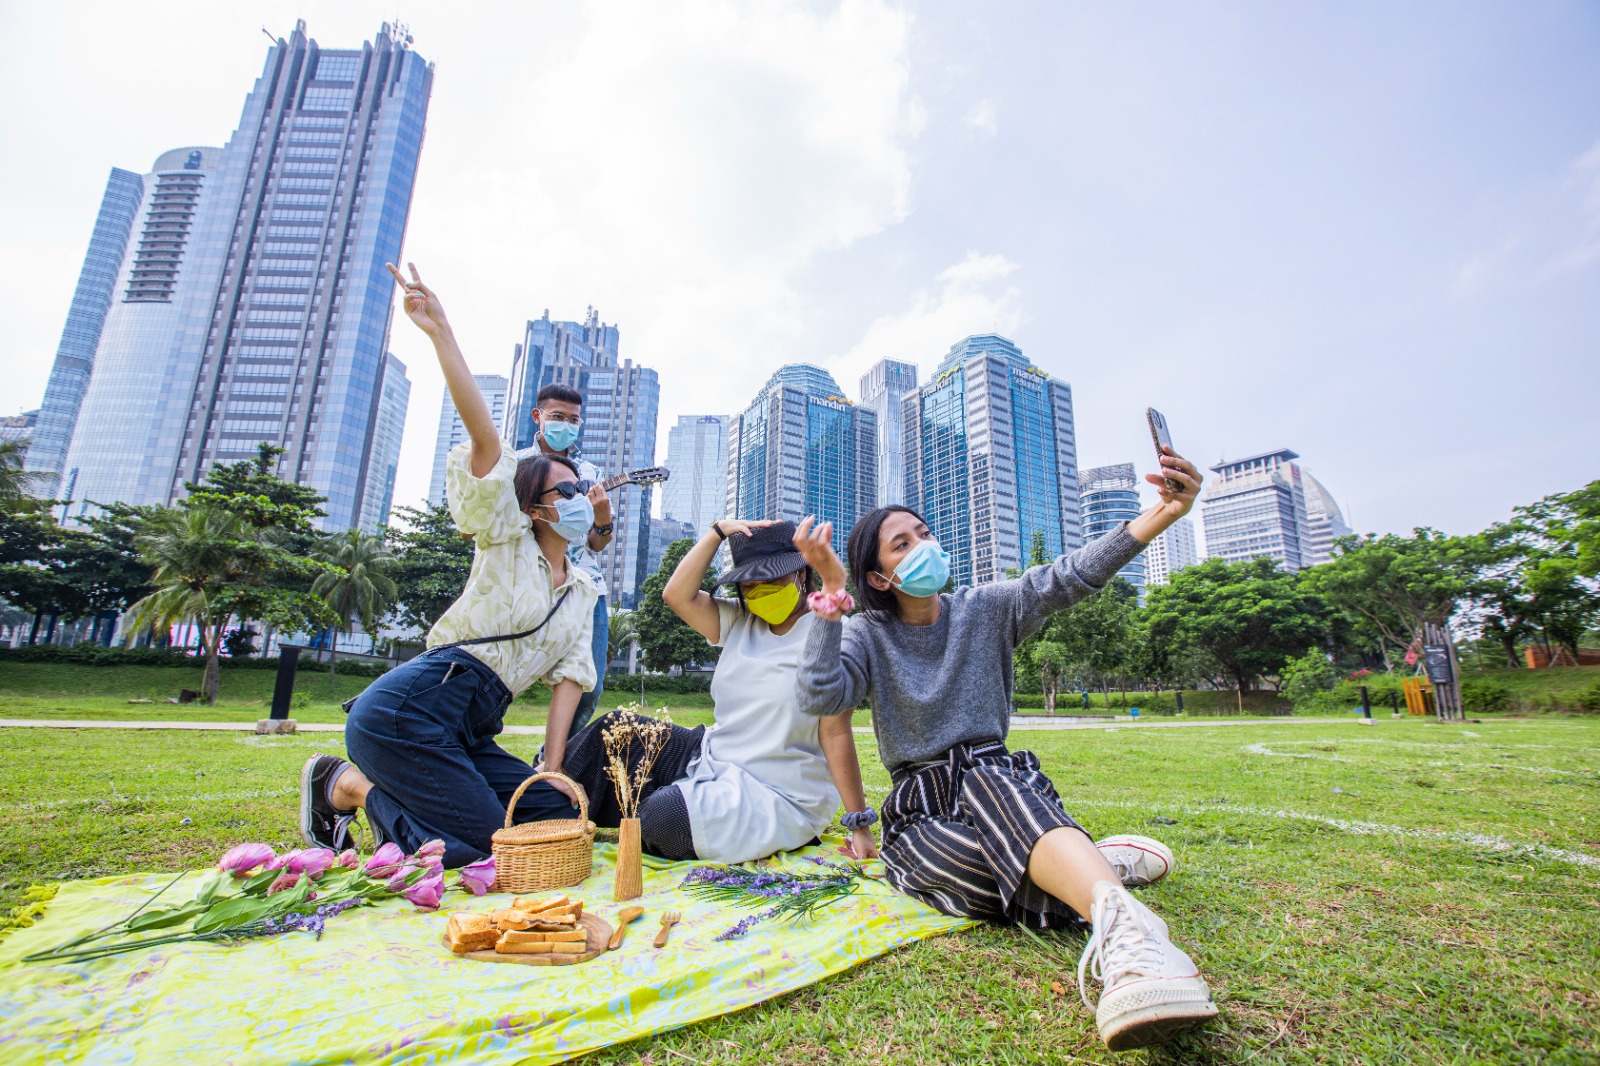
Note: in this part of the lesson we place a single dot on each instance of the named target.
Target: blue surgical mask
(923, 571)
(574, 518)
(559, 435)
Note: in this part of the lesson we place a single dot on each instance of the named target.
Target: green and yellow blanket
(380, 987)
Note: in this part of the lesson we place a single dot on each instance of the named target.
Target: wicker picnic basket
(534, 856)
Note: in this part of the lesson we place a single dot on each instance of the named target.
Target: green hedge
(99, 655)
(676, 686)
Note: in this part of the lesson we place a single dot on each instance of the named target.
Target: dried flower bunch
(634, 742)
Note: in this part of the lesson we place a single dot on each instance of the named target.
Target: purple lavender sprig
(797, 895)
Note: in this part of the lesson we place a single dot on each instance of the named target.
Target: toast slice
(515, 937)
(471, 932)
(523, 949)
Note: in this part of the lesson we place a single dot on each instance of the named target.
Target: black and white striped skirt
(957, 834)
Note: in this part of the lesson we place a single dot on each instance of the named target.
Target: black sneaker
(322, 825)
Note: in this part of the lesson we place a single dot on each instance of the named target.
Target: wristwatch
(717, 529)
(605, 530)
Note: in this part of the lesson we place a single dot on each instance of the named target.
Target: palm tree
(197, 552)
(361, 589)
(622, 634)
(16, 483)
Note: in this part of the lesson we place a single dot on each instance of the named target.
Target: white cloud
(974, 295)
(981, 118)
(1586, 175)
(676, 166)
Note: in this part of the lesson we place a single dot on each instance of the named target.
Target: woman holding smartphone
(970, 827)
(425, 764)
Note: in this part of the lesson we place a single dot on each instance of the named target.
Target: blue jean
(424, 734)
(602, 636)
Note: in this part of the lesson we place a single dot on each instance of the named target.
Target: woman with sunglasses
(425, 764)
(970, 827)
(765, 777)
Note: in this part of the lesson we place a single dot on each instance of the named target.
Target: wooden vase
(630, 870)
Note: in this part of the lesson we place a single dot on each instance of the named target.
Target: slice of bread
(533, 906)
(470, 932)
(523, 949)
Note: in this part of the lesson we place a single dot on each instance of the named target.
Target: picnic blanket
(380, 987)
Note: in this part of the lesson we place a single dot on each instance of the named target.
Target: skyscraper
(697, 455)
(1107, 497)
(394, 396)
(882, 389)
(621, 402)
(69, 375)
(453, 431)
(1257, 506)
(256, 307)
(1170, 552)
(663, 531)
(1325, 522)
(801, 449)
(992, 458)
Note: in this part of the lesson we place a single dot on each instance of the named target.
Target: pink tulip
(397, 883)
(243, 858)
(285, 881)
(312, 862)
(432, 849)
(349, 859)
(478, 877)
(278, 862)
(385, 860)
(427, 892)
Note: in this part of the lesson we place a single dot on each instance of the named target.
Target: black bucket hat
(765, 554)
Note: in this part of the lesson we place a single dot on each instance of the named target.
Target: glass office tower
(697, 455)
(621, 402)
(1107, 497)
(1257, 506)
(991, 459)
(265, 315)
(801, 449)
(91, 300)
(882, 389)
(383, 465)
(453, 431)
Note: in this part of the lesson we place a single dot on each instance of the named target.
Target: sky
(1365, 231)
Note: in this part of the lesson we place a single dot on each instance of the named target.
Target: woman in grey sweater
(969, 827)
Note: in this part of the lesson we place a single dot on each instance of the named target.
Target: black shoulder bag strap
(487, 640)
(508, 636)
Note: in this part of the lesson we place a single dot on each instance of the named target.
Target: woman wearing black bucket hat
(765, 777)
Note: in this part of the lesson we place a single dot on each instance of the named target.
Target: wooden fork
(668, 920)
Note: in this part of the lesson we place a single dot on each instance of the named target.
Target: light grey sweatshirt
(933, 687)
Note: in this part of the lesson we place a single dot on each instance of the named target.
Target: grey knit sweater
(933, 687)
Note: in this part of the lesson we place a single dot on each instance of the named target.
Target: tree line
(241, 551)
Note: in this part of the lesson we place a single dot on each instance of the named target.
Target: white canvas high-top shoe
(1137, 860)
(1150, 990)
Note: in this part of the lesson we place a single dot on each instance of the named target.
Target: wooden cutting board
(598, 935)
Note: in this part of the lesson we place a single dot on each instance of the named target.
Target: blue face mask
(559, 435)
(923, 571)
(574, 517)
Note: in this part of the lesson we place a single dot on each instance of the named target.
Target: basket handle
(583, 797)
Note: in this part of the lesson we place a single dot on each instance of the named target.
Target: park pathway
(1017, 724)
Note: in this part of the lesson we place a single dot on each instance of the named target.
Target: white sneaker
(1150, 990)
(1137, 860)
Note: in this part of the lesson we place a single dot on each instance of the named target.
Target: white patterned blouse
(509, 587)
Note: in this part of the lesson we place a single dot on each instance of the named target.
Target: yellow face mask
(773, 603)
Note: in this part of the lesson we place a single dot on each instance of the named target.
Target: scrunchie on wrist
(831, 602)
(854, 820)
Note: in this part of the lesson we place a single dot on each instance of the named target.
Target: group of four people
(969, 827)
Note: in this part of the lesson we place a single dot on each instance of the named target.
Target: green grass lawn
(1406, 893)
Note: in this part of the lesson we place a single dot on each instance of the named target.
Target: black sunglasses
(569, 489)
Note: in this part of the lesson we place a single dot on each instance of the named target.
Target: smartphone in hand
(1163, 439)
